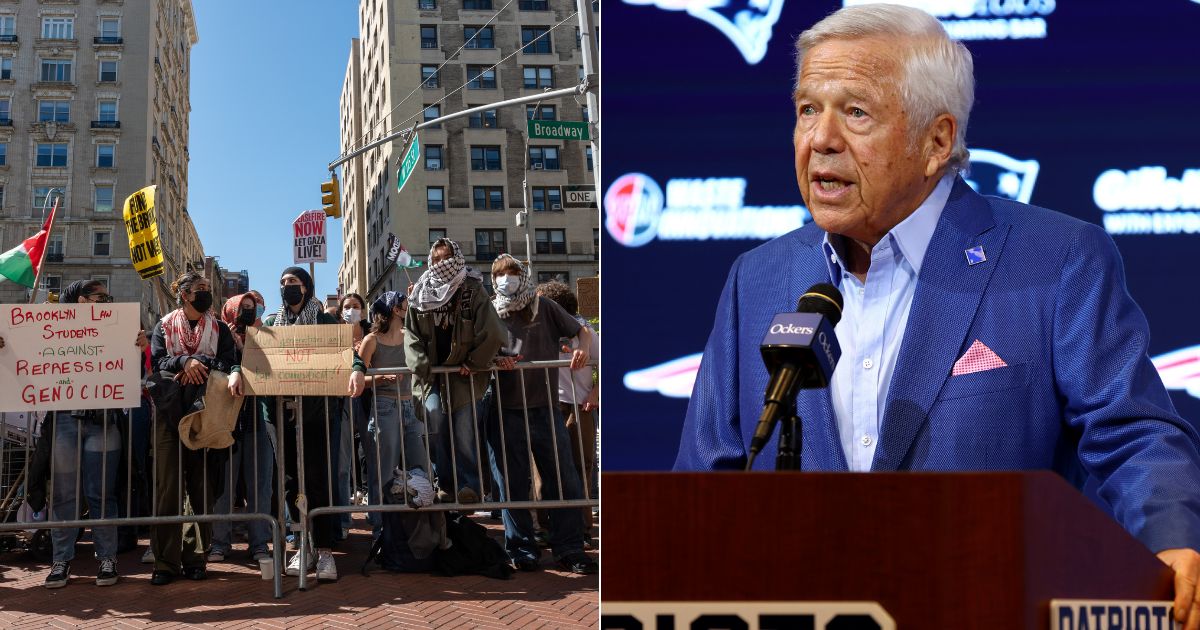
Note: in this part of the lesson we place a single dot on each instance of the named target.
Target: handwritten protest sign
(307, 360)
(145, 248)
(69, 356)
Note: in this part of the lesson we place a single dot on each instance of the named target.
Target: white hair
(938, 71)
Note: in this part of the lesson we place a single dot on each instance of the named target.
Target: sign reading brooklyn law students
(69, 357)
(145, 248)
(558, 130)
(309, 360)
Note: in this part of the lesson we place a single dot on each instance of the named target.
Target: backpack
(471, 552)
(392, 550)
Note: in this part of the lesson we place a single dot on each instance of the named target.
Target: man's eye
(857, 112)
(807, 110)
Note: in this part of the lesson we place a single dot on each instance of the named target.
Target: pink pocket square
(979, 358)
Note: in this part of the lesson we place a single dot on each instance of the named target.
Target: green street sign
(558, 130)
(409, 164)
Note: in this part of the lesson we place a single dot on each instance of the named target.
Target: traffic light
(331, 200)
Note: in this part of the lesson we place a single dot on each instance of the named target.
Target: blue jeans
(101, 443)
(251, 458)
(465, 456)
(382, 435)
(565, 524)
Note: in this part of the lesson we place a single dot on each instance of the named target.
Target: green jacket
(478, 334)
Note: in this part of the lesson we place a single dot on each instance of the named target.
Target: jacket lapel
(947, 297)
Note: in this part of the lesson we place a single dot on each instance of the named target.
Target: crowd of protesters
(471, 429)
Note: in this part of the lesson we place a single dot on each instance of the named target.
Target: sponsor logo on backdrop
(983, 19)
(993, 173)
(1148, 200)
(1180, 370)
(636, 211)
(747, 23)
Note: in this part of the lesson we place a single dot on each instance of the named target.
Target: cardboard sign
(145, 248)
(308, 230)
(69, 357)
(306, 360)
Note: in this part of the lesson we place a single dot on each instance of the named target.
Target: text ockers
(789, 329)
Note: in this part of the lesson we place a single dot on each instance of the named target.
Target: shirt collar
(911, 236)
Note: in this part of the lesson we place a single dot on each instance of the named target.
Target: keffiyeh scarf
(435, 287)
(310, 314)
(525, 294)
(181, 339)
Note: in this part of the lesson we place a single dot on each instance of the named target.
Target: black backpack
(391, 550)
(472, 551)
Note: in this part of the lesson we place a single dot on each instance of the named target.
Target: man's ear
(939, 143)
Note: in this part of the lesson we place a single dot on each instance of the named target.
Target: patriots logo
(747, 23)
(993, 173)
(1180, 369)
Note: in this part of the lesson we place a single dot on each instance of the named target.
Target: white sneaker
(326, 567)
(293, 567)
(148, 557)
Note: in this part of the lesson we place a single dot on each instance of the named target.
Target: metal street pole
(587, 41)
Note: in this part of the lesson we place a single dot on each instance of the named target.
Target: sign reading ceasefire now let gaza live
(309, 232)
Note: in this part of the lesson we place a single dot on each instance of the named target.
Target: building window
(104, 199)
(548, 276)
(435, 199)
(110, 28)
(435, 234)
(105, 155)
(488, 197)
(543, 158)
(56, 70)
(429, 76)
(3, 157)
(481, 78)
(485, 158)
(58, 111)
(54, 248)
(52, 154)
(479, 37)
(432, 112)
(53, 283)
(477, 5)
(550, 241)
(587, 151)
(5, 110)
(429, 37)
(489, 244)
(108, 71)
(587, 117)
(427, 5)
(538, 76)
(433, 157)
(40, 195)
(546, 198)
(8, 26)
(483, 119)
(6, 67)
(107, 111)
(545, 112)
(535, 40)
(534, 5)
(101, 242)
(58, 28)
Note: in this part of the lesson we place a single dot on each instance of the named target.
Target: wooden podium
(958, 550)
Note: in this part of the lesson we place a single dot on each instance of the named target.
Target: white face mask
(507, 285)
(352, 315)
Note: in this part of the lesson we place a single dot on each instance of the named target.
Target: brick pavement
(234, 597)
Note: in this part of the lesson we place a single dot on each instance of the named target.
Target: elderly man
(977, 333)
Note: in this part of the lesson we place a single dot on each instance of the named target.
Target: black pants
(320, 412)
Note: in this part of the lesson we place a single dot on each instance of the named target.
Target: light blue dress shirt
(874, 317)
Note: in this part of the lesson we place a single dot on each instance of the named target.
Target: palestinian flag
(405, 260)
(21, 263)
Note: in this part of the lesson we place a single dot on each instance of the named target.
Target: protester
(578, 395)
(351, 309)
(252, 456)
(529, 405)
(451, 323)
(188, 347)
(301, 308)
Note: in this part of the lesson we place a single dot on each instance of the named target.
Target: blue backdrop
(1088, 107)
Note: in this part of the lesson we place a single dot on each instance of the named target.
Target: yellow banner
(144, 246)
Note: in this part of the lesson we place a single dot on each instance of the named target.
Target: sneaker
(60, 572)
(107, 576)
(293, 567)
(443, 496)
(216, 555)
(148, 557)
(541, 538)
(468, 495)
(326, 567)
(578, 563)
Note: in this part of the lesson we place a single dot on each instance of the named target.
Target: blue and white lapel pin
(975, 255)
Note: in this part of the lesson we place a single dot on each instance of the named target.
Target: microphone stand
(791, 433)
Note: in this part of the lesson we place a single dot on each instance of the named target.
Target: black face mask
(293, 294)
(247, 316)
(202, 300)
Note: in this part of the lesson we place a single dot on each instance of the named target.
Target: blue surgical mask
(258, 309)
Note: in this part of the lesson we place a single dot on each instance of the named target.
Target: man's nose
(827, 133)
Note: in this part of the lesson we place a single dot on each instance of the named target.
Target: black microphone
(800, 351)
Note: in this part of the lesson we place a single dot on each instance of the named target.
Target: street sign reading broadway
(558, 130)
(408, 163)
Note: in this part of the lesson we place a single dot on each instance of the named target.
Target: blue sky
(266, 81)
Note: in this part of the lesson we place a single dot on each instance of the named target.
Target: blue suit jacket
(1079, 394)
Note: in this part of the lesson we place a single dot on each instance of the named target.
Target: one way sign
(580, 196)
